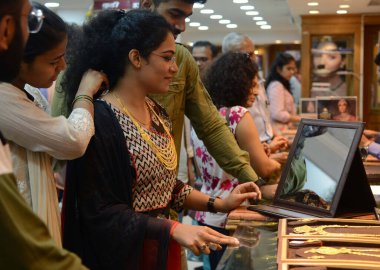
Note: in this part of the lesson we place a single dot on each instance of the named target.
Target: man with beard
(29, 245)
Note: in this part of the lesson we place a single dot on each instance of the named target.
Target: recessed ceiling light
(203, 28)
(207, 11)
(313, 4)
(252, 13)
(261, 23)
(314, 11)
(216, 17)
(195, 24)
(52, 4)
(224, 21)
(257, 18)
(278, 41)
(344, 6)
(231, 25)
(197, 5)
(187, 20)
(240, 1)
(247, 7)
(341, 11)
(265, 27)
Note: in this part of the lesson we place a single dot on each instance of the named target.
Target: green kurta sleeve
(187, 95)
(26, 241)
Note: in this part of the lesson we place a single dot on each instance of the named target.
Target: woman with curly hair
(282, 109)
(118, 195)
(232, 81)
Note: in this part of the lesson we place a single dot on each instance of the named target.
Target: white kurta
(36, 138)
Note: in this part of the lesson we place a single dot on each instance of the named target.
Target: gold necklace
(343, 250)
(166, 155)
(320, 230)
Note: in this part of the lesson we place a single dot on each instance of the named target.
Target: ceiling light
(187, 20)
(216, 17)
(224, 21)
(203, 28)
(52, 4)
(314, 11)
(194, 24)
(257, 18)
(261, 23)
(313, 4)
(341, 11)
(240, 1)
(247, 7)
(344, 6)
(207, 11)
(231, 25)
(252, 13)
(265, 27)
(197, 5)
(278, 41)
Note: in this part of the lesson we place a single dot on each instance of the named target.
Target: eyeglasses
(35, 20)
(167, 58)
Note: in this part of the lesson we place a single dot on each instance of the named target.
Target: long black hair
(281, 60)
(107, 40)
(51, 34)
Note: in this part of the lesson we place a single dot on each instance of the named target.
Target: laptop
(324, 175)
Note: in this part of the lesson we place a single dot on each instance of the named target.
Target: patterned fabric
(216, 182)
(155, 185)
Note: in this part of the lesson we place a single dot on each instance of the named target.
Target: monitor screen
(318, 164)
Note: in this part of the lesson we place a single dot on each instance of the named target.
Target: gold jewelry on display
(166, 155)
(320, 230)
(342, 250)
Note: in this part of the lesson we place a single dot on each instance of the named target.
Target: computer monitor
(324, 175)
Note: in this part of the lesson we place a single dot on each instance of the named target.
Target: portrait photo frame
(308, 108)
(344, 108)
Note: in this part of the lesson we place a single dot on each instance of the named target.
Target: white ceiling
(282, 15)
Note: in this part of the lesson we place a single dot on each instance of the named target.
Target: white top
(261, 115)
(35, 138)
(281, 105)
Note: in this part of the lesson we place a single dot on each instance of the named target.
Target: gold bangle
(83, 97)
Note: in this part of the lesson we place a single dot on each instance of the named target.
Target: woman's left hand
(241, 193)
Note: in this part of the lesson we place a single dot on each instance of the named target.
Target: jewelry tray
(328, 243)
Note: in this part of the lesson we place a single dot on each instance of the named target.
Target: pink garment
(216, 182)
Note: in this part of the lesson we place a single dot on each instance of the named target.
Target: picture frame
(344, 108)
(308, 108)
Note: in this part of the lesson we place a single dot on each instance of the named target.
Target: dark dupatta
(99, 223)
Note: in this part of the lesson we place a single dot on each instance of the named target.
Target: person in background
(233, 84)
(27, 243)
(118, 195)
(236, 42)
(204, 52)
(34, 136)
(282, 109)
(295, 85)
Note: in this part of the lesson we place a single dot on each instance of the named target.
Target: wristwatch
(364, 152)
(260, 182)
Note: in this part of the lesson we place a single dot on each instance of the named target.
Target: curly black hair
(157, 2)
(281, 60)
(107, 40)
(229, 79)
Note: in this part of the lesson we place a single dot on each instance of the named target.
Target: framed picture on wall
(332, 65)
(337, 108)
(308, 108)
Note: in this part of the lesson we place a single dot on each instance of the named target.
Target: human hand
(5, 157)
(364, 141)
(370, 134)
(92, 81)
(278, 143)
(267, 149)
(201, 239)
(241, 193)
(280, 157)
(269, 191)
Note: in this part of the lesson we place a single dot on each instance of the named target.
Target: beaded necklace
(166, 155)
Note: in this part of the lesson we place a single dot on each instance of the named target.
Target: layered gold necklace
(343, 250)
(167, 155)
(320, 230)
